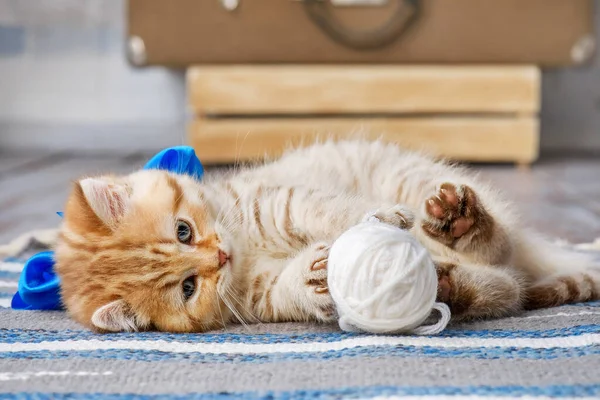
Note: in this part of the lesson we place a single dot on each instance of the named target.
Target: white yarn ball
(383, 281)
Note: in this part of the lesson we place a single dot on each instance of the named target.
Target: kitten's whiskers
(229, 218)
(236, 163)
(235, 298)
(226, 297)
(220, 311)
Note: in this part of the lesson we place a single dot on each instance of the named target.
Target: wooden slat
(459, 138)
(363, 89)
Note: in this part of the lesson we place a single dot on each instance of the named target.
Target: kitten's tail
(560, 275)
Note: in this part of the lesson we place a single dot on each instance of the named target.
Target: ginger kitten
(154, 250)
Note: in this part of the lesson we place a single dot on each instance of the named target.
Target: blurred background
(72, 103)
(65, 83)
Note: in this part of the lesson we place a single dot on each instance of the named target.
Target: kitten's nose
(223, 258)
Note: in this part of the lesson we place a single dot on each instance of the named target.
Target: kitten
(154, 250)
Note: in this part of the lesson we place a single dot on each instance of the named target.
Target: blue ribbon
(39, 286)
(180, 160)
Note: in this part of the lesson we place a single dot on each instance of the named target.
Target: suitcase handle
(406, 14)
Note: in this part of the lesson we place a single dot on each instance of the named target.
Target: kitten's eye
(184, 232)
(189, 287)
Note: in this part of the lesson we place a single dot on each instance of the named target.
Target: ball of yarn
(383, 281)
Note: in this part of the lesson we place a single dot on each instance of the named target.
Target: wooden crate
(466, 113)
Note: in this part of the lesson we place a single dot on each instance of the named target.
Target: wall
(64, 84)
(571, 104)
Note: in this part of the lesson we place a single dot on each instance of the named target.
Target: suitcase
(180, 33)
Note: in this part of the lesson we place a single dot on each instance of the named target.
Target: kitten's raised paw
(396, 215)
(452, 213)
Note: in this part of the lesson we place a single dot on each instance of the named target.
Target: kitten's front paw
(318, 301)
(396, 215)
(453, 213)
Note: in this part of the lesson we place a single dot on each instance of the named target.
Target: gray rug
(552, 353)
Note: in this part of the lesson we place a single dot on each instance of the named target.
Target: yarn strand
(440, 325)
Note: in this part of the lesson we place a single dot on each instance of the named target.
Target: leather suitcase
(190, 32)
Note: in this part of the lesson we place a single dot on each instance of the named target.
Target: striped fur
(122, 266)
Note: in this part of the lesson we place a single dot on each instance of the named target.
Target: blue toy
(180, 160)
(39, 287)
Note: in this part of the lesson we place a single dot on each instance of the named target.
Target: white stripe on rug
(557, 315)
(11, 267)
(23, 376)
(5, 303)
(315, 347)
(9, 284)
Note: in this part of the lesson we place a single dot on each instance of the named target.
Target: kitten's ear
(108, 200)
(115, 316)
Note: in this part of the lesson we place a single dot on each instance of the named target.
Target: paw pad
(451, 212)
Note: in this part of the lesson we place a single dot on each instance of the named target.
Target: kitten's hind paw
(444, 290)
(453, 213)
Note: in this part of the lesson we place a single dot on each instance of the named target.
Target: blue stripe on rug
(588, 304)
(15, 260)
(36, 336)
(8, 275)
(557, 391)
(484, 353)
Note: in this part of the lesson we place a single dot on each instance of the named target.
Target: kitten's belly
(375, 170)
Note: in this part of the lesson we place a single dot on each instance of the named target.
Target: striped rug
(553, 353)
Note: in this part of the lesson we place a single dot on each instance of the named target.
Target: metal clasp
(230, 5)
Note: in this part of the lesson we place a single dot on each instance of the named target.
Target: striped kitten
(153, 250)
